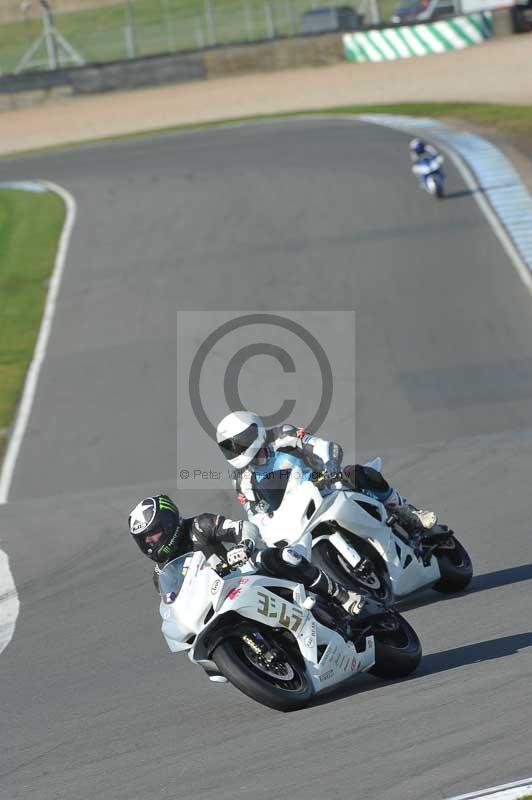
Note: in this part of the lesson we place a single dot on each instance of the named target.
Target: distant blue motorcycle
(430, 175)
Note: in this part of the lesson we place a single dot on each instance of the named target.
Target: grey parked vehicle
(329, 20)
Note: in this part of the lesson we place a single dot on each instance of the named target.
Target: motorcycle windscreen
(171, 578)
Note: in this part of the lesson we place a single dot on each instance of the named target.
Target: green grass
(507, 119)
(30, 226)
(160, 25)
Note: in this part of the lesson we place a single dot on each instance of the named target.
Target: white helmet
(240, 436)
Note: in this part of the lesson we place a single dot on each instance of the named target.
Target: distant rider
(420, 150)
(255, 452)
(162, 534)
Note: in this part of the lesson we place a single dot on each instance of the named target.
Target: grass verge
(30, 227)
(514, 121)
(506, 119)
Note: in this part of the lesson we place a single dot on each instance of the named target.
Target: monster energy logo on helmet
(164, 502)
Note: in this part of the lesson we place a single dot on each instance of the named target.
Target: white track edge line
(30, 384)
(491, 215)
(494, 790)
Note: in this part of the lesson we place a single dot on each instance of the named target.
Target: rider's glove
(331, 472)
(239, 555)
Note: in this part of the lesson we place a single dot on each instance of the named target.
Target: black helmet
(157, 515)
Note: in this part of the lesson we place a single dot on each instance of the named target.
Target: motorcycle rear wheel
(397, 652)
(287, 690)
(456, 569)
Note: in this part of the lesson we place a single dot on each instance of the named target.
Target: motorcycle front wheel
(369, 575)
(282, 684)
(397, 647)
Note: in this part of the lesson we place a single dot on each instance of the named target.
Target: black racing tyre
(369, 576)
(455, 567)
(287, 689)
(397, 648)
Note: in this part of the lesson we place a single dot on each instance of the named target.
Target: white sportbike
(270, 638)
(357, 543)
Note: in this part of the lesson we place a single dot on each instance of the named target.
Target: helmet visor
(149, 542)
(238, 444)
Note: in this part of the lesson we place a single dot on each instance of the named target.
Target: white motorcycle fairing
(203, 606)
(428, 171)
(351, 516)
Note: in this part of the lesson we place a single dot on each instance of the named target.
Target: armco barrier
(406, 41)
(29, 88)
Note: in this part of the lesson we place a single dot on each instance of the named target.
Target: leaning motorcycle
(430, 175)
(271, 639)
(356, 542)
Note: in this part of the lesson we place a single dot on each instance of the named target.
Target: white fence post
(375, 14)
(270, 29)
(248, 20)
(198, 31)
(169, 25)
(209, 21)
(291, 17)
(131, 34)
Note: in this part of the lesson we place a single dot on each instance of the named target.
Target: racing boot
(414, 521)
(316, 580)
(351, 602)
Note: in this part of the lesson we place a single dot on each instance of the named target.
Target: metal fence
(132, 28)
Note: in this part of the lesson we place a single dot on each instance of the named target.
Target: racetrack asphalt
(286, 215)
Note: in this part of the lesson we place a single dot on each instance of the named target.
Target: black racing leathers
(209, 533)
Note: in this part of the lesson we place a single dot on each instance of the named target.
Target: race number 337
(272, 608)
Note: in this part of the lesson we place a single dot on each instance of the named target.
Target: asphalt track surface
(294, 215)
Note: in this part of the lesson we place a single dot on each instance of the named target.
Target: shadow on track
(448, 659)
(480, 583)
(433, 663)
(474, 653)
(460, 193)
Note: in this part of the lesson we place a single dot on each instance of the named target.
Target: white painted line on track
(500, 232)
(9, 601)
(507, 791)
(30, 385)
